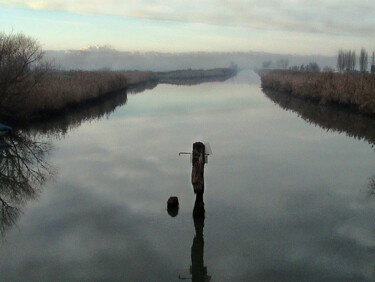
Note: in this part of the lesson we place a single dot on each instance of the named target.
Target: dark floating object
(173, 206)
(172, 202)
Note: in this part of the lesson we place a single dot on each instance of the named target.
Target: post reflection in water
(23, 171)
(198, 270)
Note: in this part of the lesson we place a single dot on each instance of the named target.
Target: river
(288, 190)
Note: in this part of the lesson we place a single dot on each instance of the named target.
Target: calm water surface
(286, 191)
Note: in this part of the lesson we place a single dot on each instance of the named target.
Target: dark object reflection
(371, 186)
(173, 212)
(198, 270)
(23, 171)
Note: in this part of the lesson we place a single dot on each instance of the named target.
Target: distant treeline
(283, 64)
(30, 86)
(354, 89)
(346, 62)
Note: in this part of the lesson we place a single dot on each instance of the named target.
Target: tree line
(347, 60)
(284, 63)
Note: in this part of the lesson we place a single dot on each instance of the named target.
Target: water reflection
(195, 81)
(371, 186)
(63, 122)
(59, 124)
(330, 117)
(23, 171)
(198, 269)
(291, 213)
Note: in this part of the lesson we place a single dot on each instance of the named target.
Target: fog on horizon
(280, 27)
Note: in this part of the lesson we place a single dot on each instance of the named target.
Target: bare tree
(373, 58)
(363, 60)
(341, 61)
(21, 66)
(353, 60)
(282, 63)
(346, 60)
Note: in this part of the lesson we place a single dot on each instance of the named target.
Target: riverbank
(60, 90)
(352, 89)
(331, 117)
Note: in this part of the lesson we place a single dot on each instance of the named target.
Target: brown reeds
(354, 89)
(60, 89)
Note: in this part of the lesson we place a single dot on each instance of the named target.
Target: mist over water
(285, 199)
(94, 59)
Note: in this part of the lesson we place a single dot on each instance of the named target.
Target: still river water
(287, 190)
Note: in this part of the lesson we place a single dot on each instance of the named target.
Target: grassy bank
(352, 89)
(63, 89)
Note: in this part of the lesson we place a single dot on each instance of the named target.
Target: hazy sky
(278, 26)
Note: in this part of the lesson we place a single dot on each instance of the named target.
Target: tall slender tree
(363, 60)
(341, 61)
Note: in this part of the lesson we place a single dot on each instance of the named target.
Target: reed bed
(353, 89)
(60, 89)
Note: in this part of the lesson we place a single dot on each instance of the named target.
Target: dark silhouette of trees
(346, 60)
(310, 67)
(282, 64)
(340, 61)
(363, 60)
(21, 65)
(294, 68)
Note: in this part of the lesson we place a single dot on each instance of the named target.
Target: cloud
(318, 16)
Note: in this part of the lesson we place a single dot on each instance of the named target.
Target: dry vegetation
(61, 89)
(355, 89)
(30, 87)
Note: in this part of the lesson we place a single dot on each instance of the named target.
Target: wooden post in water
(197, 174)
(197, 269)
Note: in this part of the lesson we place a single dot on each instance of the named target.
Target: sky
(286, 26)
